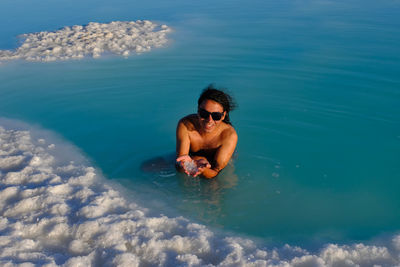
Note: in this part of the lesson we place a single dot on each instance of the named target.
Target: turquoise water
(318, 88)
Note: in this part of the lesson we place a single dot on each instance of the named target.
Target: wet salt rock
(117, 37)
(41, 141)
(125, 53)
(11, 162)
(191, 167)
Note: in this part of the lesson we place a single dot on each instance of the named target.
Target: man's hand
(201, 164)
(192, 167)
(187, 164)
(180, 160)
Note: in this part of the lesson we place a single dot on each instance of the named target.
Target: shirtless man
(207, 138)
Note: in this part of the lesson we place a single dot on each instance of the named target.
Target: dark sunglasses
(216, 116)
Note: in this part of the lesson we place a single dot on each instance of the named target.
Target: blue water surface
(318, 88)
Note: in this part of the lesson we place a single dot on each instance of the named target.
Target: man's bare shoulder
(229, 133)
(189, 122)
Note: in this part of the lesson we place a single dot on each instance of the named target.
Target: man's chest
(198, 142)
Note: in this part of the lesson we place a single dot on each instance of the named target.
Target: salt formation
(191, 167)
(94, 39)
(55, 211)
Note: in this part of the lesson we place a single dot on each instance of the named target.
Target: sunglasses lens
(216, 116)
(203, 113)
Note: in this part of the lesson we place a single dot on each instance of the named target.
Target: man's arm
(182, 145)
(223, 154)
(182, 139)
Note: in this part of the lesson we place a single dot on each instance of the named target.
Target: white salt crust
(94, 39)
(58, 211)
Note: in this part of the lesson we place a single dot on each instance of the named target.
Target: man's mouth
(209, 125)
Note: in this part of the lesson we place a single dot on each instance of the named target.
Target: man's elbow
(210, 173)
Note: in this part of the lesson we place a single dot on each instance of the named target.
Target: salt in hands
(192, 167)
(201, 165)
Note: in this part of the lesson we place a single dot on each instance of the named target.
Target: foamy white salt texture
(54, 211)
(94, 39)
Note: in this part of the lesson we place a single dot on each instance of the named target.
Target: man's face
(207, 122)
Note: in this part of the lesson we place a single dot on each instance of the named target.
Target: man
(206, 141)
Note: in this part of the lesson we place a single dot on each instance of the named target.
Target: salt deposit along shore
(94, 39)
(56, 209)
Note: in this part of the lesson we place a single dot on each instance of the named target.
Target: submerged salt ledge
(59, 212)
(94, 39)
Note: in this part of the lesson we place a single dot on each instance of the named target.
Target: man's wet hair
(219, 96)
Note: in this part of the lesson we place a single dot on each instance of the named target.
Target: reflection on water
(187, 194)
(207, 196)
